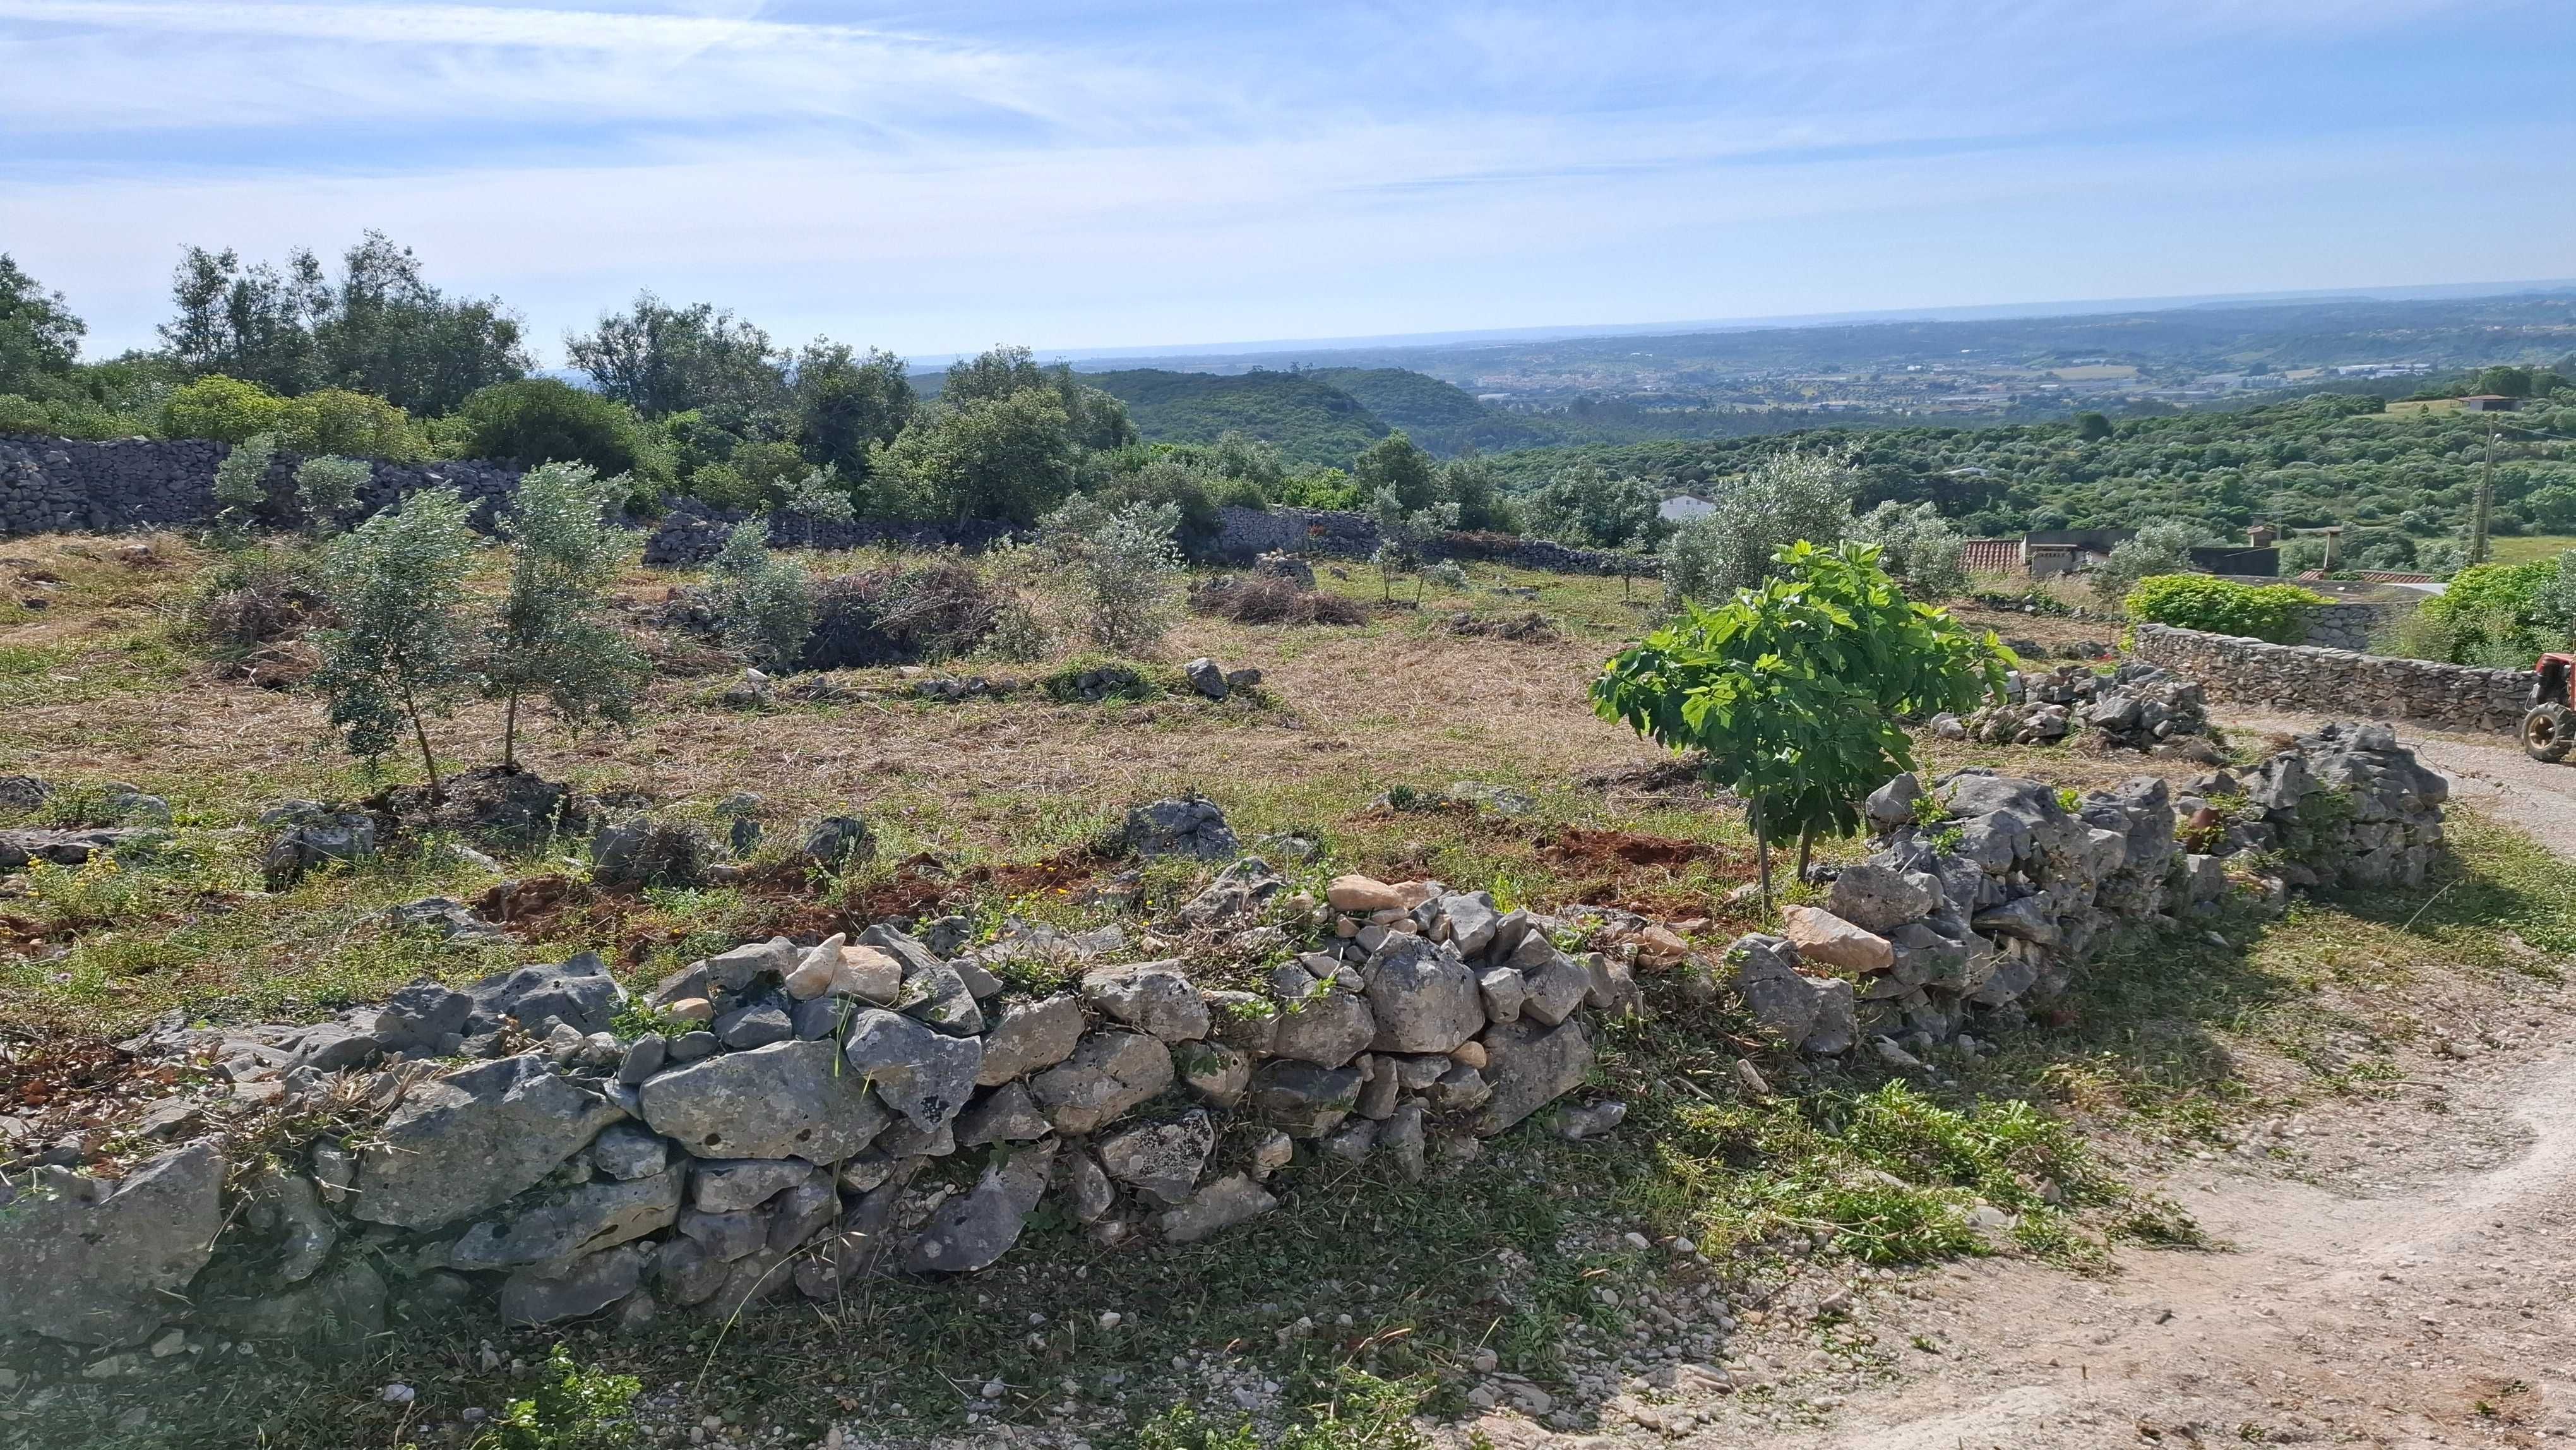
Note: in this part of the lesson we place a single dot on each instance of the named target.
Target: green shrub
(227, 410)
(2275, 612)
(542, 420)
(357, 425)
(2496, 615)
(64, 418)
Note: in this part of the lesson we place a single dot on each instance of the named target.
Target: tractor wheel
(2548, 732)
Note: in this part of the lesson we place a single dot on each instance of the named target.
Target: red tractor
(2549, 731)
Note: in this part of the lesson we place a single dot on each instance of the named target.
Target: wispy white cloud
(941, 178)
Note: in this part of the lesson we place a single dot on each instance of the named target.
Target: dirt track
(2398, 1272)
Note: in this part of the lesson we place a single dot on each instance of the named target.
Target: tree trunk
(428, 761)
(510, 734)
(1762, 850)
(1806, 844)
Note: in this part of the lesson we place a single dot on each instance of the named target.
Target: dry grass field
(1370, 1301)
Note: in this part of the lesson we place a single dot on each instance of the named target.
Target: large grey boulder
(786, 1100)
(1189, 826)
(975, 1228)
(1161, 1160)
(1875, 898)
(472, 1140)
(1030, 1036)
(1530, 1066)
(550, 1226)
(96, 1261)
(1424, 999)
(580, 993)
(1109, 1073)
(548, 1293)
(1152, 996)
(424, 1018)
(925, 1075)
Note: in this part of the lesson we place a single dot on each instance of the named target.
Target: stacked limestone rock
(49, 484)
(2346, 806)
(776, 1137)
(2337, 681)
(2136, 707)
(1980, 901)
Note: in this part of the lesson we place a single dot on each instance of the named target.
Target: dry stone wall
(50, 485)
(2331, 682)
(1989, 889)
(808, 1114)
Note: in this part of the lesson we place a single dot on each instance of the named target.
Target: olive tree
(329, 486)
(241, 481)
(764, 604)
(1795, 689)
(1918, 546)
(404, 647)
(550, 637)
(1786, 497)
(1122, 566)
(1403, 535)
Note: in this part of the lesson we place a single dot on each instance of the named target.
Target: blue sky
(1091, 176)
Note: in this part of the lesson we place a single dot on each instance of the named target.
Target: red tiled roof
(1991, 556)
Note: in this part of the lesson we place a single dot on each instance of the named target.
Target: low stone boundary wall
(1983, 898)
(692, 533)
(2323, 681)
(795, 1117)
(53, 485)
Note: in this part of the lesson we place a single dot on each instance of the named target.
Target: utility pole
(2486, 503)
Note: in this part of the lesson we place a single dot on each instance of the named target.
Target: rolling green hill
(1311, 421)
(1440, 416)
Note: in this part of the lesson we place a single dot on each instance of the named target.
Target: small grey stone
(1162, 1161)
(789, 1099)
(1503, 990)
(975, 1228)
(690, 1046)
(1087, 1186)
(755, 1026)
(1006, 1114)
(1303, 1098)
(729, 1185)
(1107, 1074)
(643, 1059)
(629, 1150)
(1219, 1206)
(726, 1236)
(1327, 1029)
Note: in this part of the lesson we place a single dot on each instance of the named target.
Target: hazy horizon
(1126, 178)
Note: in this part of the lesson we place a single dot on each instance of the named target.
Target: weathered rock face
(786, 1100)
(1187, 826)
(975, 1229)
(473, 1139)
(1108, 1074)
(99, 1262)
